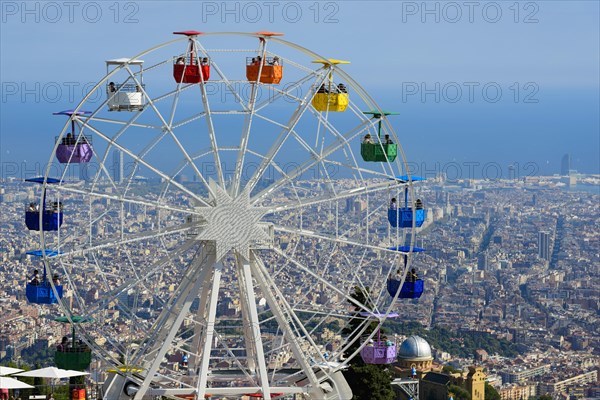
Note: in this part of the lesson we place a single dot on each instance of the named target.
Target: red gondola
(190, 67)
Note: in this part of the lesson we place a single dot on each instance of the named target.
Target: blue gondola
(41, 292)
(52, 218)
(402, 217)
(410, 289)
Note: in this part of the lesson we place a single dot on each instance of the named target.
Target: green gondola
(378, 151)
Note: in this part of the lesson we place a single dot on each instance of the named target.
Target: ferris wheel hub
(233, 224)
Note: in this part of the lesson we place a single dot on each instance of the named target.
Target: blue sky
(543, 56)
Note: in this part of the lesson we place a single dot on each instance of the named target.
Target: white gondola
(129, 95)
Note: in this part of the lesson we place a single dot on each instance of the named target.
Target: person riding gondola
(322, 89)
(393, 204)
(62, 346)
(367, 139)
(412, 276)
(68, 140)
(35, 279)
(419, 204)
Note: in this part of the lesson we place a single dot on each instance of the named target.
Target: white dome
(415, 348)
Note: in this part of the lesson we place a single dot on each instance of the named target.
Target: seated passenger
(275, 61)
(258, 60)
(388, 140)
(180, 61)
(413, 276)
(111, 87)
(204, 61)
(323, 89)
(342, 88)
(55, 280)
(68, 140)
(419, 204)
(367, 139)
(62, 346)
(32, 207)
(393, 204)
(35, 279)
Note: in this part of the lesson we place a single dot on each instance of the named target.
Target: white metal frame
(206, 269)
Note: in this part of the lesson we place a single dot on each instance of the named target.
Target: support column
(253, 329)
(189, 289)
(209, 332)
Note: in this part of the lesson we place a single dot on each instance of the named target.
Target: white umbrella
(52, 372)
(8, 370)
(10, 383)
(79, 373)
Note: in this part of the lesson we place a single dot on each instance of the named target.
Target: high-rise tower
(565, 165)
(544, 245)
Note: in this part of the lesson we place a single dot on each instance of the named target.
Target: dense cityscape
(512, 261)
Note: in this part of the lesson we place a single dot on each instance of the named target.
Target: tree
(545, 397)
(449, 369)
(367, 381)
(459, 393)
(37, 381)
(491, 393)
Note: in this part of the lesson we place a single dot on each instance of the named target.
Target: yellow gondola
(330, 97)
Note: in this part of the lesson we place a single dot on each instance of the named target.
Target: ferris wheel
(231, 231)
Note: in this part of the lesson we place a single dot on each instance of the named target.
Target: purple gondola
(379, 351)
(74, 148)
